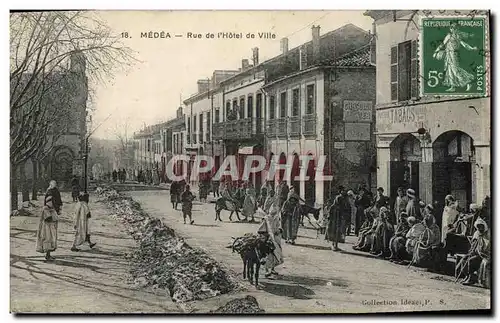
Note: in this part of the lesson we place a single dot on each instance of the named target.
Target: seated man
(397, 243)
(425, 252)
(364, 230)
(368, 236)
(412, 237)
(383, 235)
(479, 252)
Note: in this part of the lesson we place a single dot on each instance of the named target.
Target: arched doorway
(405, 158)
(310, 185)
(453, 156)
(61, 165)
(295, 173)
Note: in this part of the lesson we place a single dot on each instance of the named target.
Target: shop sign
(358, 111)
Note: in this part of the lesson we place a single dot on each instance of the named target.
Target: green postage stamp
(453, 53)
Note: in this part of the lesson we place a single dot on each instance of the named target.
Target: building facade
(320, 99)
(435, 145)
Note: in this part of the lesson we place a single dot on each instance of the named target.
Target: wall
(352, 163)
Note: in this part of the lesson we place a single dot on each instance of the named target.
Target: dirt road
(315, 279)
(89, 281)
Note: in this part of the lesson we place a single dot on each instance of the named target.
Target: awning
(247, 150)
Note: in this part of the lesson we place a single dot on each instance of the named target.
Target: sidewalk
(89, 281)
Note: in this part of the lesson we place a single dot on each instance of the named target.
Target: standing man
(412, 207)
(175, 190)
(282, 191)
(187, 199)
(338, 211)
(46, 241)
(215, 187)
(82, 223)
(115, 175)
(75, 188)
(400, 204)
(362, 203)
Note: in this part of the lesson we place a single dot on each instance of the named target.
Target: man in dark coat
(362, 203)
(115, 175)
(75, 188)
(187, 199)
(340, 209)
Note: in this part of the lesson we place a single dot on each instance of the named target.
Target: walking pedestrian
(187, 199)
(75, 188)
(82, 217)
(337, 213)
(290, 217)
(46, 241)
(271, 226)
(249, 205)
(115, 175)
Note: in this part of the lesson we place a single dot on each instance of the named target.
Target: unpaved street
(89, 281)
(313, 278)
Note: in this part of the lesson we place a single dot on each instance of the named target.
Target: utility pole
(86, 158)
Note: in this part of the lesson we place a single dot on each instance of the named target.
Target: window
(250, 106)
(208, 125)
(217, 115)
(235, 107)
(283, 105)
(404, 71)
(258, 106)
(149, 145)
(228, 108)
(272, 107)
(194, 123)
(242, 108)
(182, 143)
(188, 130)
(295, 102)
(201, 122)
(311, 99)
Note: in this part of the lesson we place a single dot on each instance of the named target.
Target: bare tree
(42, 45)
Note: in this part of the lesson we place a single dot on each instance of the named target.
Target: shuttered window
(394, 73)
(414, 70)
(404, 71)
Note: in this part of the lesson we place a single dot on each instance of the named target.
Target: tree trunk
(34, 185)
(24, 183)
(13, 188)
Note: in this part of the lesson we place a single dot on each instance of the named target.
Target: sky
(168, 69)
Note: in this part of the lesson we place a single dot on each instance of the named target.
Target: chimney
(284, 45)
(302, 57)
(315, 42)
(203, 85)
(245, 64)
(255, 56)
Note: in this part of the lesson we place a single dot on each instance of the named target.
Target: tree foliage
(46, 51)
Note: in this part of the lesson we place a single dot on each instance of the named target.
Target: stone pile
(163, 260)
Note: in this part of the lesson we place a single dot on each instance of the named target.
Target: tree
(45, 49)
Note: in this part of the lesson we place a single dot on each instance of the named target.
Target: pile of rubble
(246, 305)
(163, 260)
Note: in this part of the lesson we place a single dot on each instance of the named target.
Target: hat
(380, 189)
(410, 192)
(350, 192)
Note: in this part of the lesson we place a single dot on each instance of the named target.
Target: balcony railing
(272, 128)
(235, 129)
(309, 122)
(294, 126)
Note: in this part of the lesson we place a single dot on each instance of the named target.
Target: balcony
(309, 124)
(292, 126)
(236, 129)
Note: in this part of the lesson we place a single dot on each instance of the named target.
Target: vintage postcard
(290, 162)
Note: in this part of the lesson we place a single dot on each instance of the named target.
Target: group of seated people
(421, 242)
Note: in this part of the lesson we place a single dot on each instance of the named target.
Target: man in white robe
(82, 217)
(271, 226)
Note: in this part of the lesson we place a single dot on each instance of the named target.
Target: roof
(357, 58)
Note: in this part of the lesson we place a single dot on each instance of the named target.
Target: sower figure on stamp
(82, 217)
(454, 75)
